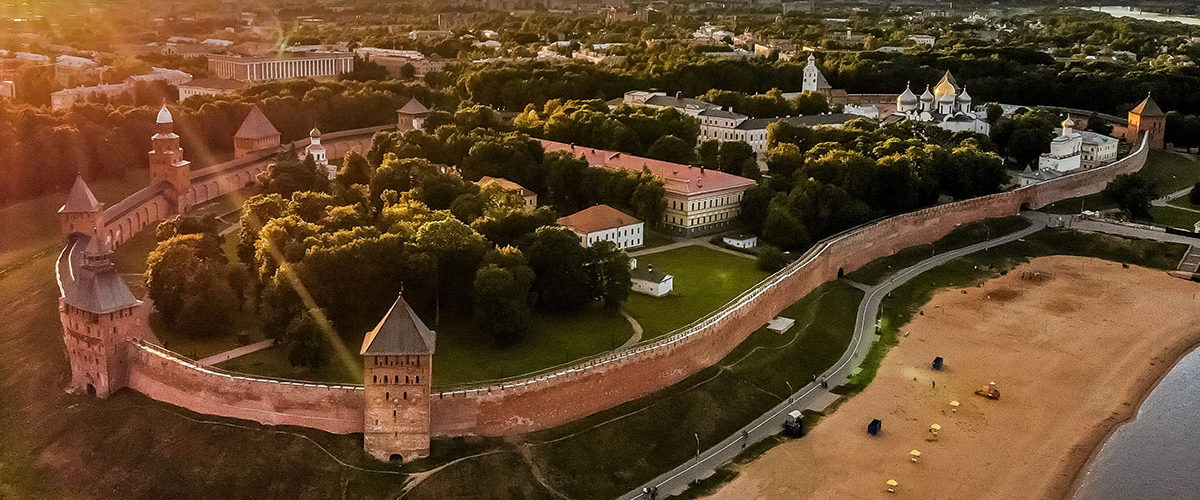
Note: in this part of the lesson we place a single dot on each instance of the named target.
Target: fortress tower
(256, 134)
(81, 213)
(1147, 118)
(166, 159)
(411, 116)
(398, 366)
(99, 314)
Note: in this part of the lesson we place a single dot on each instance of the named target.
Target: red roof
(1148, 108)
(597, 218)
(256, 126)
(680, 179)
(504, 184)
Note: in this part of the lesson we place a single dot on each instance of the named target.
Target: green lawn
(904, 302)
(1174, 217)
(602, 456)
(875, 271)
(705, 279)
(33, 225)
(1168, 171)
(273, 362)
(466, 354)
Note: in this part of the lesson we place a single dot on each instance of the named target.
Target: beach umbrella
(935, 428)
(892, 484)
(954, 406)
(914, 454)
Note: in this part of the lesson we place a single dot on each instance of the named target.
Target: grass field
(875, 271)
(599, 457)
(903, 303)
(551, 340)
(1174, 217)
(1168, 171)
(705, 279)
(32, 225)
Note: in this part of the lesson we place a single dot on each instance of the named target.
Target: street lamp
(790, 390)
(697, 458)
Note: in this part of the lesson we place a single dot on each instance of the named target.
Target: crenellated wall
(165, 376)
(551, 398)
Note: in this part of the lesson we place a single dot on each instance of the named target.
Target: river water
(1117, 11)
(1156, 455)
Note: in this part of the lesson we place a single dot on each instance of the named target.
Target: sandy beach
(1074, 344)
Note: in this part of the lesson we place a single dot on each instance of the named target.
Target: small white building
(604, 223)
(741, 241)
(650, 282)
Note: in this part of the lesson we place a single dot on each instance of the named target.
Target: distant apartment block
(277, 67)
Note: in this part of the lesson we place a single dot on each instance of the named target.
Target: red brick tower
(99, 316)
(398, 359)
(81, 214)
(166, 159)
(256, 134)
(1147, 118)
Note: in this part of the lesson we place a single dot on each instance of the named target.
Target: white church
(947, 106)
(1071, 150)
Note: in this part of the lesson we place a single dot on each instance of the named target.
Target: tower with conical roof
(1147, 118)
(81, 213)
(99, 316)
(398, 366)
(257, 133)
(166, 159)
(411, 116)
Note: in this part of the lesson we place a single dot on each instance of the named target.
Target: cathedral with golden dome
(946, 105)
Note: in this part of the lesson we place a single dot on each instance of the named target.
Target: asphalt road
(808, 397)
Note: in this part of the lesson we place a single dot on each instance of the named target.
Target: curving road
(812, 396)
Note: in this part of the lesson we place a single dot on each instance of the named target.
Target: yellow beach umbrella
(892, 484)
(935, 428)
(954, 406)
(914, 454)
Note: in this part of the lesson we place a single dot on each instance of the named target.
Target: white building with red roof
(699, 200)
(605, 223)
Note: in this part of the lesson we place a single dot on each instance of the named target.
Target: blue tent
(937, 363)
(874, 427)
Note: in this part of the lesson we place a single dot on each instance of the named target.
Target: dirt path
(1073, 344)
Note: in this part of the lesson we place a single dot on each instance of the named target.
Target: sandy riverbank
(1073, 352)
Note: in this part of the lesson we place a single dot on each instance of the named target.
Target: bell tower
(99, 315)
(166, 159)
(398, 366)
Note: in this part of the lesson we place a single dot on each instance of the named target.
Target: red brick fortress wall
(165, 376)
(559, 397)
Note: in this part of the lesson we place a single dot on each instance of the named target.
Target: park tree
(610, 276)
(558, 262)
(771, 258)
(1132, 194)
(189, 286)
(288, 174)
(355, 170)
(672, 149)
(499, 304)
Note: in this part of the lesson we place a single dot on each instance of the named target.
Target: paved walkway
(1096, 226)
(1165, 200)
(236, 352)
(637, 332)
(812, 396)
